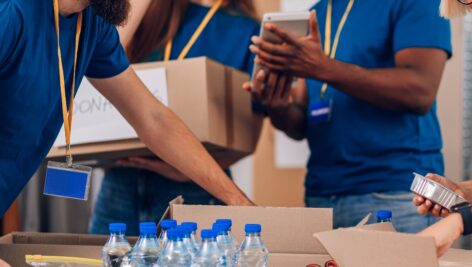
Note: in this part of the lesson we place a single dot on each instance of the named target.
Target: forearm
(291, 120)
(398, 89)
(169, 138)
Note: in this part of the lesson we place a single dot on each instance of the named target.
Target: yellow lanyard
(67, 116)
(196, 35)
(330, 51)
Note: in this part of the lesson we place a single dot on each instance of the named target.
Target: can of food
(435, 192)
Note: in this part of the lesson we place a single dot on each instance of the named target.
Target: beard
(114, 12)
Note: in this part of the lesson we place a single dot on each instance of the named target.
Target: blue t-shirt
(364, 148)
(226, 38)
(30, 107)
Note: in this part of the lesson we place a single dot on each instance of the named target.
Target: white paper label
(97, 120)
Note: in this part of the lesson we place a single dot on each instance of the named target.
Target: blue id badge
(320, 111)
(68, 182)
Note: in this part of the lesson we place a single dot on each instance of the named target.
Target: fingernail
(253, 48)
(256, 40)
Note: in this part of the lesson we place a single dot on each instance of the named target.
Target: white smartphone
(296, 23)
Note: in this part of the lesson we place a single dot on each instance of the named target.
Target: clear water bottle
(146, 251)
(253, 252)
(384, 216)
(175, 253)
(225, 243)
(116, 247)
(187, 239)
(166, 225)
(194, 227)
(209, 254)
(229, 224)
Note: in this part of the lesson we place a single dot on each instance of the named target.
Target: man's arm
(411, 86)
(166, 135)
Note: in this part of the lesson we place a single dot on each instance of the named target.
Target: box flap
(362, 248)
(284, 230)
(456, 258)
(384, 227)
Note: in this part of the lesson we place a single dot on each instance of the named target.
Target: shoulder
(12, 13)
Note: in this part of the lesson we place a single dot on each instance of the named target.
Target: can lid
(208, 233)
(253, 228)
(148, 228)
(384, 214)
(117, 227)
(168, 224)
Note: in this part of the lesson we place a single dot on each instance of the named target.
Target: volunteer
(368, 109)
(448, 230)
(31, 113)
(160, 30)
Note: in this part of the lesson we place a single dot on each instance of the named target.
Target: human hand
(445, 232)
(426, 206)
(271, 89)
(155, 165)
(298, 56)
(4, 264)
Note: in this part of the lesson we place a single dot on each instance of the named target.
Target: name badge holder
(67, 179)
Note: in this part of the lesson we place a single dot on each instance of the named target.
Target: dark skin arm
(411, 86)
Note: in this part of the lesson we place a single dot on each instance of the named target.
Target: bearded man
(31, 33)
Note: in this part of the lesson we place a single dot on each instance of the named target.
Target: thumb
(314, 27)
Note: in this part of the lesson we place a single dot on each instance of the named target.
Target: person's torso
(364, 148)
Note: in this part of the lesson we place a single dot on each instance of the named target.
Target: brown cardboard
(222, 119)
(456, 258)
(364, 248)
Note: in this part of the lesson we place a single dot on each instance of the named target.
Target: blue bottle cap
(168, 224)
(253, 228)
(148, 228)
(117, 227)
(174, 234)
(220, 227)
(384, 214)
(228, 222)
(186, 231)
(207, 233)
(192, 225)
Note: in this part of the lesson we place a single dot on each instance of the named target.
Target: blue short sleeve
(11, 24)
(109, 58)
(418, 24)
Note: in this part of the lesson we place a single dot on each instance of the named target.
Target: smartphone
(296, 23)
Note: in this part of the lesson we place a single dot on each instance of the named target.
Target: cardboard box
(206, 95)
(287, 232)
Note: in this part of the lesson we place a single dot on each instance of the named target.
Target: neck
(69, 7)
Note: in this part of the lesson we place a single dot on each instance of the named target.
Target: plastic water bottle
(146, 251)
(194, 227)
(187, 239)
(229, 224)
(209, 254)
(253, 252)
(116, 247)
(165, 226)
(225, 243)
(174, 254)
(384, 216)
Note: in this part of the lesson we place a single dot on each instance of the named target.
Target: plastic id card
(320, 112)
(68, 182)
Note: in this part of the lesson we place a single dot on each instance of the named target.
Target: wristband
(465, 210)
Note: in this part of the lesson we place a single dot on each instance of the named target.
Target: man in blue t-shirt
(30, 101)
(367, 107)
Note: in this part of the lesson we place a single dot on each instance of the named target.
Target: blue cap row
(148, 228)
(117, 227)
(208, 233)
(253, 228)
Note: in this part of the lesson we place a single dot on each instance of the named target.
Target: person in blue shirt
(368, 105)
(150, 184)
(30, 102)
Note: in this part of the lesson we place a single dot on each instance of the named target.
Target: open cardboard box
(206, 95)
